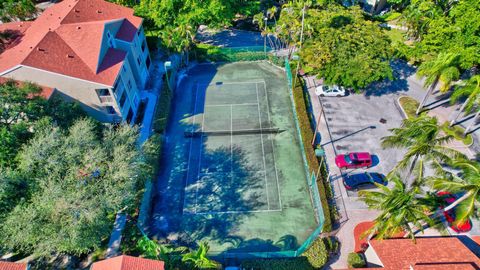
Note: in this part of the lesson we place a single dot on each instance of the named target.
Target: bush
(317, 253)
(163, 109)
(307, 137)
(298, 263)
(355, 260)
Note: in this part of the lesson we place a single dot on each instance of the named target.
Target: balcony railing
(106, 99)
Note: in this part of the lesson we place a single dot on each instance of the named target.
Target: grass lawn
(410, 106)
(396, 35)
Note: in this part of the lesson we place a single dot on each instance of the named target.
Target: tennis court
(233, 173)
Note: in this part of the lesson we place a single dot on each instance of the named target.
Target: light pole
(265, 37)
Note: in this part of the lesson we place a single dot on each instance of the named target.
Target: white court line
(231, 104)
(263, 149)
(273, 148)
(231, 144)
(200, 159)
(228, 83)
(190, 151)
(234, 212)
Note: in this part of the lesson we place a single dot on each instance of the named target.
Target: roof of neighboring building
(125, 262)
(46, 92)
(426, 253)
(67, 38)
(12, 266)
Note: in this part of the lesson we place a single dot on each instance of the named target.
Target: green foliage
(317, 253)
(307, 137)
(355, 260)
(177, 20)
(443, 68)
(445, 26)
(13, 190)
(299, 263)
(11, 10)
(346, 49)
(197, 259)
(22, 111)
(77, 180)
(400, 206)
(163, 109)
(457, 133)
(421, 137)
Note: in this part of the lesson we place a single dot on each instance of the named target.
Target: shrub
(163, 109)
(355, 260)
(307, 137)
(317, 253)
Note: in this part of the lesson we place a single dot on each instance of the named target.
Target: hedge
(355, 260)
(307, 137)
(298, 263)
(163, 109)
(317, 253)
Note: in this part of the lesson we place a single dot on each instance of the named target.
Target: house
(13, 266)
(125, 262)
(427, 253)
(90, 51)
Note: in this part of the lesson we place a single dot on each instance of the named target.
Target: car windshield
(347, 159)
(326, 88)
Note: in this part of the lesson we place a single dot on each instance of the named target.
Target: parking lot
(357, 123)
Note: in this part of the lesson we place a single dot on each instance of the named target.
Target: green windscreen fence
(210, 53)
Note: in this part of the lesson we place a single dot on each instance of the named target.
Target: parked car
(354, 160)
(353, 181)
(450, 215)
(330, 91)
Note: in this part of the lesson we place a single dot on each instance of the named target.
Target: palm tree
(467, 183)
(169, 254)
(198, 258)
(441, 69)
(400, 208)
(421, 137)
(471, 90)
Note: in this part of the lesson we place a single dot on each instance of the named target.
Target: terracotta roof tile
(402, 253)
(64, 29)
(125, 262)
(12, 266)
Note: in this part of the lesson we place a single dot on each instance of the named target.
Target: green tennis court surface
(232, 171)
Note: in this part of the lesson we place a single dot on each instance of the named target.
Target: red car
(459, 227)
(354, 160)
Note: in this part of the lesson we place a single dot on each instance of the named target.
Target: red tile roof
(12, 266)
(426, 253)
(46, 91)
(125, 262)
(67, 38)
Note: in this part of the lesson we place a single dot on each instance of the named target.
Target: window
(103, 92)
(124, 68)
(144, 45)
(148, 62)
(129, 116)
(135, 101)
(110, 110)
(115, 86)
(122, 99)
(129, 84)
(138, 61)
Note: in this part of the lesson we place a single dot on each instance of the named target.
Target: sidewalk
(351, 210)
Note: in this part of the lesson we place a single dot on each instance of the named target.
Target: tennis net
(233, 132)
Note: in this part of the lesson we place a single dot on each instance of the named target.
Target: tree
(16, 9)
(467, 184)
(346, 49)
(444, 69)
(21, 107)
(399, 207)
(471, 90)
(198, 258)
(77, 178)
(421, 137)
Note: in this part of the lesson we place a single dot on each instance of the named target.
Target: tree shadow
(401, 71)
(340, 21)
